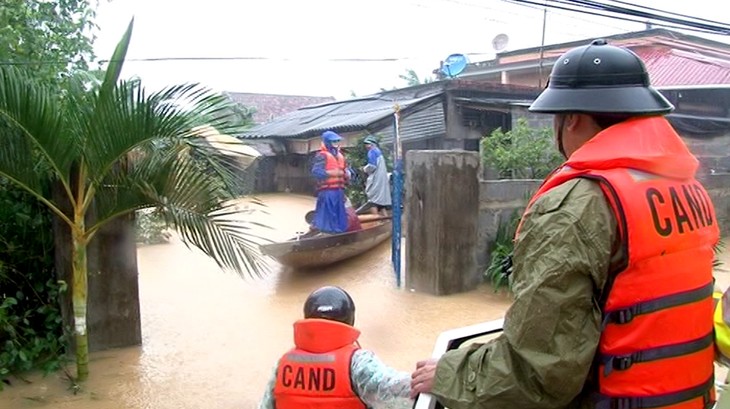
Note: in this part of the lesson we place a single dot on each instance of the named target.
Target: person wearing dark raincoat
(602, 236)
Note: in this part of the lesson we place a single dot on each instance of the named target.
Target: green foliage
(49, 37)
(242, 116)
(121, 149)
(719, 248)
(31, 334)
(357, 157)
(411, 78)
(521, 153)
(151, 227)
(500, 259)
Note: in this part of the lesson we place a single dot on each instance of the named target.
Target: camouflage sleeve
(379, 386)
(542, 359)
(267, 402)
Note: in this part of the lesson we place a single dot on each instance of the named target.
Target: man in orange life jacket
(330, 171)
(612, 265)
(327, 369)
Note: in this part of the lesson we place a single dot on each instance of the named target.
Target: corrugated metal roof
(351, 115)
(673, 67)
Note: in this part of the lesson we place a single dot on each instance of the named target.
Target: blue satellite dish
(454, 65)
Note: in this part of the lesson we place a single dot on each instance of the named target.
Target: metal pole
(542, 45)
(397, 193)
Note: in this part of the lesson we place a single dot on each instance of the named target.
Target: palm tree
(411, 78)
(114, 148)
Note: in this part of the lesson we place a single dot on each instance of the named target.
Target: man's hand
(423, 377)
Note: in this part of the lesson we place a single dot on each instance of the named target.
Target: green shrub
(521, 153)
(31, 325)
(151, 227)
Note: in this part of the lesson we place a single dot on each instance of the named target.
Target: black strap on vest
(623, 362)
(625, 315)
(647, 402)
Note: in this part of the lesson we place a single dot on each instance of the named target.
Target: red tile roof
(270, 106)
(678, 67)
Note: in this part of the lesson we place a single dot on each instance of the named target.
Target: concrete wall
(498, 199)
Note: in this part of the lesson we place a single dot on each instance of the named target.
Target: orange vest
(316, 373)
(656, 346)
(331, 163)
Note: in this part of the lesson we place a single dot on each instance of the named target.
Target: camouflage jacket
(562, 255)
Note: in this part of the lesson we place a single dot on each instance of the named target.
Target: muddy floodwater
(210, 338)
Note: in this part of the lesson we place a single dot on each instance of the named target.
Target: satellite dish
(500, 41)
(454, 65)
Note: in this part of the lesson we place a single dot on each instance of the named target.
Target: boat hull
(324, 250)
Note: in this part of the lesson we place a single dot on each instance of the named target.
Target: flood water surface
(211, 338)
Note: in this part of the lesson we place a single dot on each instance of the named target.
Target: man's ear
(573, 121)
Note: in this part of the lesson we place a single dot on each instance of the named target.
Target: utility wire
(585, 11)
(597, 5)
(667, 12)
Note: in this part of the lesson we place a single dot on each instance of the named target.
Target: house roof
(671, 58)
(363, 113)
(676, 67)
(626, 37)
(270, 106)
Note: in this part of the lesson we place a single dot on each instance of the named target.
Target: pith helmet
(330, 303)
(600, 78)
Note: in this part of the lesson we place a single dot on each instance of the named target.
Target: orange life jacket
(656, 346)
(316, 373)
(332, 162)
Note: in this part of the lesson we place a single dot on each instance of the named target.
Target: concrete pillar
(113, 311)
(442, 204)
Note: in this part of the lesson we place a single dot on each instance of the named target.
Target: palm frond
(132, 119)
(192, 199)
(115, 64)
(30, 108)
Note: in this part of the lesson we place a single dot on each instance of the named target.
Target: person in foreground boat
(613, 261)
(330, 170)
(327, 368)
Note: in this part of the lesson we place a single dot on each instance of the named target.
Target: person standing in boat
(377, 186)
(330, 171)
(327, 368)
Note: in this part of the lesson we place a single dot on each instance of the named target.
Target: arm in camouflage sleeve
(267, 402)
(378, 385)
(552, 329)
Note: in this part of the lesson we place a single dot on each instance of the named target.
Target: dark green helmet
(600, 78)
(370, 140)
(330, 303)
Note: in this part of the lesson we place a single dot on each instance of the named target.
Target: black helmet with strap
(330, 303)
(600, 78)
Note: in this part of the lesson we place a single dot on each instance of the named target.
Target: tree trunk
(79, 291)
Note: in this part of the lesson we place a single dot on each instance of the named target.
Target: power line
(682, 26)
(667, 12)
(722, 28)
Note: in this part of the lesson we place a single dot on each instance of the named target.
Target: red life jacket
(656, 346)
(316, 373)
(332, 162)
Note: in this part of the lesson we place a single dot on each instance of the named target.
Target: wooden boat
(308, 251)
